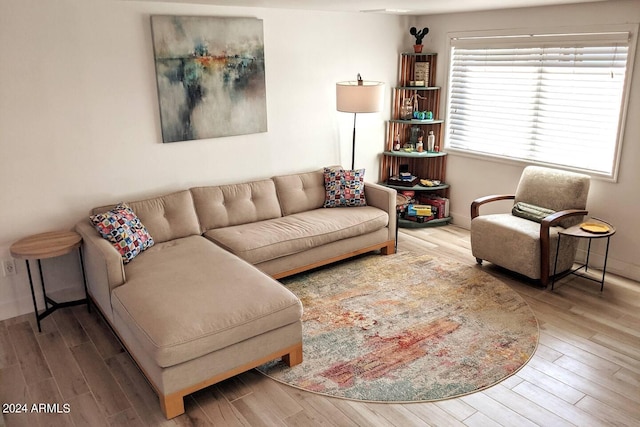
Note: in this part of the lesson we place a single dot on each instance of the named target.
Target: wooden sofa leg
(544, 280)
(172, 405)
(389, 249)
(294, 357)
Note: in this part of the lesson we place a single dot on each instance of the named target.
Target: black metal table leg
(44, 292)
(84, 279)
(586, 264)
(604, 267)
(33, 295)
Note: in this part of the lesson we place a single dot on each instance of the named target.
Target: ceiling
(407, 7)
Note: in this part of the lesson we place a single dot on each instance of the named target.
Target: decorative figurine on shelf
(423, 115)
(396, 143)
(419, 35)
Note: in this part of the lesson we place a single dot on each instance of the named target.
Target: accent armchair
(526, 246)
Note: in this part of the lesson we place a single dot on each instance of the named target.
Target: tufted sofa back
(194, 211)
(300, 192)
(167, 217)
(235, 204)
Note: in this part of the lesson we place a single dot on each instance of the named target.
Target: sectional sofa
(202, 304)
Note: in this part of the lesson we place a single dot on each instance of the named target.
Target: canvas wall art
(211, 76)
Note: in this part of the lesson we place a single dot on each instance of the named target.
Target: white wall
(79, 121)
(470, 178)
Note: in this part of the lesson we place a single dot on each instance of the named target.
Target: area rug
(406, 328)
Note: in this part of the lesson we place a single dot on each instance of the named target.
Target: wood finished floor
(585, 372)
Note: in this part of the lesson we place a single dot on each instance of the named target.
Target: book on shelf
(441, 203)
(419, 210)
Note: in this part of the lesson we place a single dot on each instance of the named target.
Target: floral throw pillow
(343, 187)
(124, 230)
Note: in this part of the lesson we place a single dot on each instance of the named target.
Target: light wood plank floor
(585, 372)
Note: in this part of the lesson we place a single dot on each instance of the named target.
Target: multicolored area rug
(406, 328)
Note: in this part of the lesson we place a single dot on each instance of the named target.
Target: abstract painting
(211, 76)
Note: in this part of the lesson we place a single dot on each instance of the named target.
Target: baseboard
(16, 307)
(23, 304)
(614, 266)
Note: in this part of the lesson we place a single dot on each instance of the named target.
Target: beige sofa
(202, 304)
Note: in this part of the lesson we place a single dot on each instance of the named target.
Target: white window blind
(552, 99)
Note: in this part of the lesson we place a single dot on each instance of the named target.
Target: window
(555, 99)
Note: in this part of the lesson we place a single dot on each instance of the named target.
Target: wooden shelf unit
(425, 165)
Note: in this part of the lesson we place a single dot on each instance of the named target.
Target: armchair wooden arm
(475, 205)
(545, 250)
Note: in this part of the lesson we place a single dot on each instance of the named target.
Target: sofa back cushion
(167, 217)
(235, 204)
(300, 192)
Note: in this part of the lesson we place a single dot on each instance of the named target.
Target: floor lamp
(358, 97)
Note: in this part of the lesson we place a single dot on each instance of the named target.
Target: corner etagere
(426, 164)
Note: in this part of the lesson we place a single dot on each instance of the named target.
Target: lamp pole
(353, 143)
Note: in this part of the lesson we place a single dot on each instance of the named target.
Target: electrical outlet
(8, 267)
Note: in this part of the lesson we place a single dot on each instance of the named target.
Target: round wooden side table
(49, 245)
(593, 229)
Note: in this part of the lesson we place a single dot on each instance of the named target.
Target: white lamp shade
(354, 98)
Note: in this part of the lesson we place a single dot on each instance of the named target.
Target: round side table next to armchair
(592, 229)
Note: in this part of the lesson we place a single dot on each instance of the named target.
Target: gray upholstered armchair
(528, 246)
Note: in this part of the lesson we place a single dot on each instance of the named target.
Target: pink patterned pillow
(124, 230)
(343, 187)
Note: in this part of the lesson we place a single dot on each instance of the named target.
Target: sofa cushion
(123, 229)
(226, 205)
(300, 192)
(267, 240)
(188, 297)
(516, 242)
(167, 217)
(344, 188)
